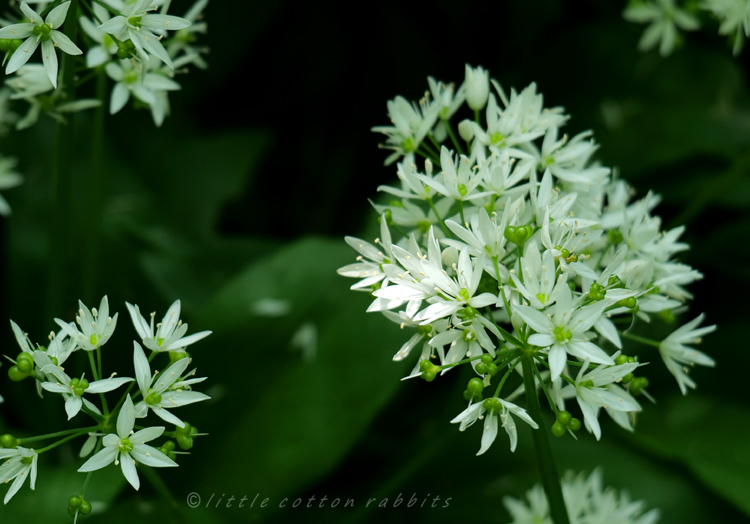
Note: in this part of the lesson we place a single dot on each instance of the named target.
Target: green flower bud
(629, 302)
(8, 441)
(424, 330)
(174, 356)
(596, 292)
(72, 511)
(16, 375)
(614, 236)
(486, 359)
(185, 442)
(468, 395)
(558, 429)
(627, 378)
(75, 382)
(183, 431)
(492, 369)
(564, 418)
(574, 424)
(75, 501)
(425, 364)
(122, 53)
(614, 282)
(4, 44)
(481, 368)
(153, 399)
(428, 376)
(475, 386)
(631, 360)
(78, 390)
(622, 359)
(564, 253)
(85, 508)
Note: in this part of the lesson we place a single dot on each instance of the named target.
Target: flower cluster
(588, 502)
(510, 245)
(665, 19)
(138, 48)
(113, 437)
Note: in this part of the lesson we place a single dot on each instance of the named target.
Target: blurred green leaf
(305, 415)
(709, 436)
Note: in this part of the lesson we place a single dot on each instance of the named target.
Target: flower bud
(465, 130)
(477, 84)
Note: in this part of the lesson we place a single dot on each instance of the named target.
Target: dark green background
(246, 192)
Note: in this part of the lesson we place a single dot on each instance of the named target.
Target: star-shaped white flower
(126, 448)
(163, 391)
(592, 393)
(18, 464)
(169, 333)
(565, 331)
(73, 390)
(676, 353)
(36, 31)
(137, 24)
(500, 411)
(96, 326)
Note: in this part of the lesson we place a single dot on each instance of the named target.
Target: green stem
(477, 117)
(95, 191)
(461, 211)
(547, 467)
(55, 435)
(434, 142)
(451, 134)
(511, 367)
(60, 269)
(59, 442)
(428, 156)
(566, 378)
(437, 215)
(552, 405)
(642, 340)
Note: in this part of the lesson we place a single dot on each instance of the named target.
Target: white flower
(734, 16)
(143, 85)
(369, 270)
(500, 410)
(30, 81)
(411, 123)
(664, 18)
(35, 32)
(126, 448)
(73, 390)
(458, 293)
(587, 502)
(184, 38)
(448, 98)
(677, 354)
(9, 178)
(459, 184)
(169, 334)
(539, 285)
(102, 53)
(591, 393)
(565, 331)
(96, 327)
(136, 24)
(18, 464)
(162, 391)
(477, 82)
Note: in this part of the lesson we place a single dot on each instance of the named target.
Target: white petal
(128, 469)
(101, 460)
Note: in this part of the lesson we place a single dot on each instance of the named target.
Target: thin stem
(437, 215)
(59, 442)
(566, 378)
(552, 405)
(511, 367)
(642, 340)
(451, 134)
(434, 142)
(99, 364)
(88, 475)
(477, 117)
(55, 435)
(461, 211)
(93, 365)
(427, 155)
(60, 269)
(507, 336)
(547, 467)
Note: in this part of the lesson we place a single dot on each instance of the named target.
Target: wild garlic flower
(519, 245)
(587, 500)
(73, 389)
(491, 412)
(37, 31)
(169, 334)
(679, 356)
(126, 448)
(665, 18)
(734, 16)
(163, 391)
(17, 465)
(95, 327)
(137, 25)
